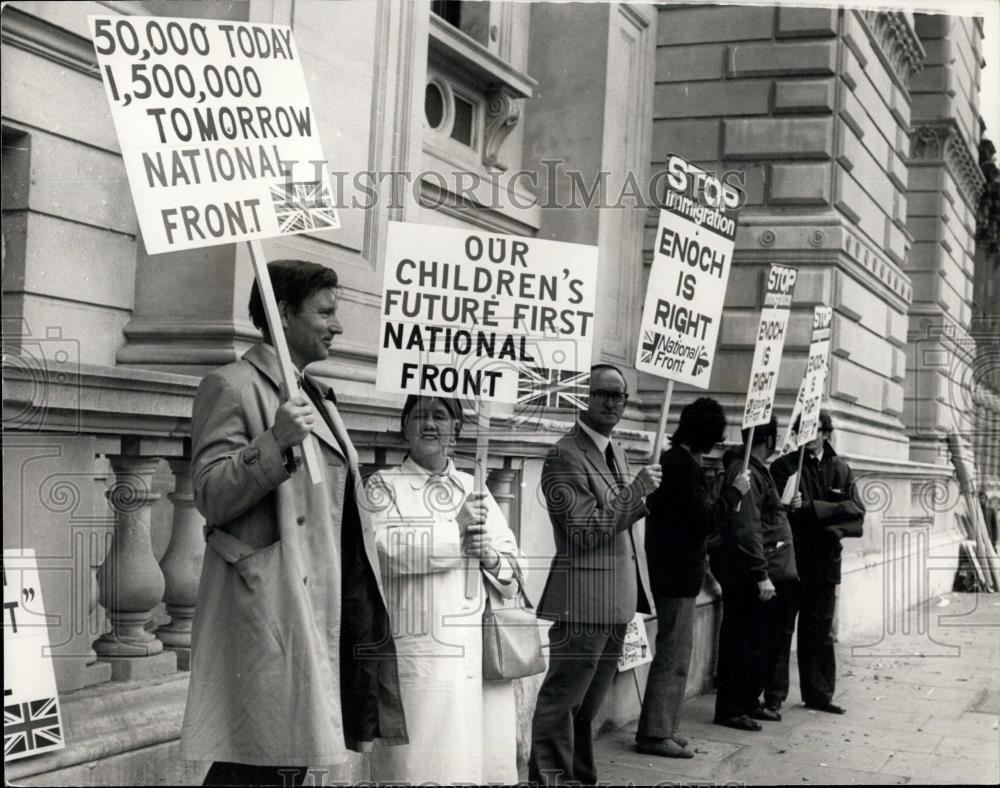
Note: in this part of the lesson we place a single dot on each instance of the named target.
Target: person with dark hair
(824, 510)
(293, 662)
(596, 583)
(683, 512)
(429, 521)
(754, 562)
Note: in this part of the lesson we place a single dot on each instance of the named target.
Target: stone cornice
(896, 41)
(941, 141)
(794, 237)
(42, 38)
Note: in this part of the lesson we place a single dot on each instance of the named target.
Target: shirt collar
(419, 477)
(601, 441)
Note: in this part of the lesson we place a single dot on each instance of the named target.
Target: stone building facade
(855, 133)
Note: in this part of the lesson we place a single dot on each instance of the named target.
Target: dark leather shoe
(741, 723)
(666, 748)
(681, 740)
(764, 713)
(829, 708)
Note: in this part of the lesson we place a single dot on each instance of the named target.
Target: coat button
(300, 520)
(305, 581)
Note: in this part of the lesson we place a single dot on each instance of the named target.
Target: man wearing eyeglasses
(825, 509)
(597, 581)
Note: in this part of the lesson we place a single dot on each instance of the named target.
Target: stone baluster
(181, 565)
(131, 583)
(502, 484)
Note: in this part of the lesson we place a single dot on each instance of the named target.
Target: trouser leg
(781, 622)
(582, 662)
(738, 666)
(668, 672)
(817, 662)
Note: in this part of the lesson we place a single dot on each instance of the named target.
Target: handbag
(512, 646)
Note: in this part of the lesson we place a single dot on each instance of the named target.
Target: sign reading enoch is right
(692, 256)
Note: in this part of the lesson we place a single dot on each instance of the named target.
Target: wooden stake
(798, 478)
(748, 447)
(310, 451)
(472, 581)
(662, 427)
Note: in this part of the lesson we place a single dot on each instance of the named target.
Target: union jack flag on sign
(31, 727)
(553, 388)
(300, 207)
(652, 341)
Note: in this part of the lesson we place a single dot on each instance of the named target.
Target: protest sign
(32, 722)
(636, 650)
(217, 134)
(770, 343)
(804, 422)
(470, 314)
(219, 142)
(692, 257)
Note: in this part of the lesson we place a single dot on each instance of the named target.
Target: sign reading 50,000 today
(217, 134)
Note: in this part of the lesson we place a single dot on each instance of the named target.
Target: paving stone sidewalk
(923, 709)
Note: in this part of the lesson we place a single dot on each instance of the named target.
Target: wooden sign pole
(661, 428)
(748, 447)
(310, 451)
(482, 452)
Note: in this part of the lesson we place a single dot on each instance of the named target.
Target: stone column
(181, 565)
(502, 484)
(131, 583)
(944, 187)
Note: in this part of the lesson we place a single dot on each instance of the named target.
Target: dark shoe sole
(738, 723)
(829, 708)
(665, 749)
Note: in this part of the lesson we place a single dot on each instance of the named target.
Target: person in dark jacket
(682, 513)
(754, 563)
(824, 511)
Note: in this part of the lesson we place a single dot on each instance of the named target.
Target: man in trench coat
(293, 661)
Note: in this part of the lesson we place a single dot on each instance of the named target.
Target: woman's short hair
(453, 406)
(702, 425)
(293, 282)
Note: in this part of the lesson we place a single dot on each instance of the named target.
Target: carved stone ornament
(898, 41)
(502, 114)
(943, 142)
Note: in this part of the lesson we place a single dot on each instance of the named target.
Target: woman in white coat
(432, 529)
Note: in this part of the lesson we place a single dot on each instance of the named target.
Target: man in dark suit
(597, 581)
(825, 510)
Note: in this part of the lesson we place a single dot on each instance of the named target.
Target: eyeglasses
(614, 397)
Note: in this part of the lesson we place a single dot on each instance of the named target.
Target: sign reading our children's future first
(770, 344)
(217, 133)
(692, 256)
(467, 313)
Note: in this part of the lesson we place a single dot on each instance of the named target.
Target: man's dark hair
(293, 282)
(598, 367)
(763, 432)
(702, 425)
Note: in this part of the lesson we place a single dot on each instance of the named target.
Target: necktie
(609, 456)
